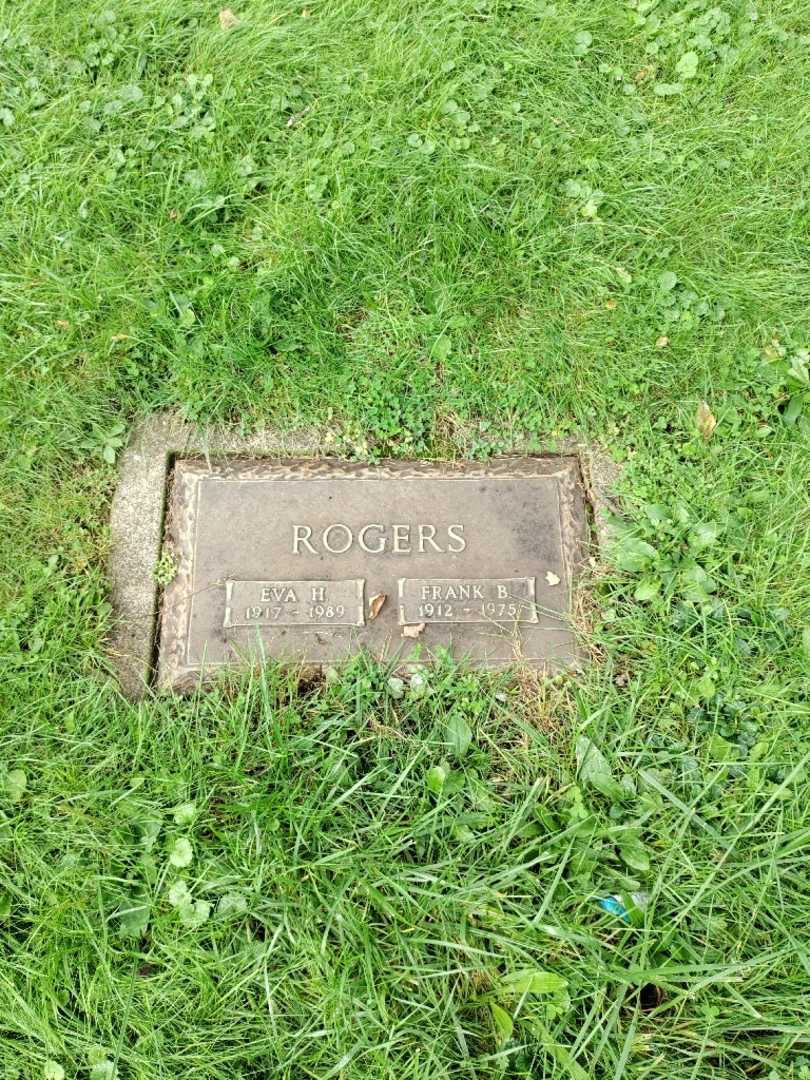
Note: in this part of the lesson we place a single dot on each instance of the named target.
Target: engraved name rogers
(375, 538)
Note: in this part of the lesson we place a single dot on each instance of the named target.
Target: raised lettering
(361, 539)
(402, 535)
(461, 600)
(338, 602)
(426, 534)
(328, 532)
(454, 533)
(301, 535)
(372, 538)
(277, 594)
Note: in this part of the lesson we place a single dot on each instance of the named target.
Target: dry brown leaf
(706, 420)
(662, 342)
(375, 605)
(552, 578)
(414, 630)
(227, 19)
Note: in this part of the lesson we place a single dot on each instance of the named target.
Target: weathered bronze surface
(310, 561)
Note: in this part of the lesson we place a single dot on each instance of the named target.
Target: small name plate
(467, 600)
(294, 603)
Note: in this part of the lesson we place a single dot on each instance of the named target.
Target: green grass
(419, 229)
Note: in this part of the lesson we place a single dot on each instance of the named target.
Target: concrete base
(136, 525)
(138, 509)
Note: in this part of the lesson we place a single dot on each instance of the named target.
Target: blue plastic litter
(613, 906)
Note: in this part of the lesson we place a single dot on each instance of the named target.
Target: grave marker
(310, 561)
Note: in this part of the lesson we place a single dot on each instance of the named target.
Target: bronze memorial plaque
(310, 561)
